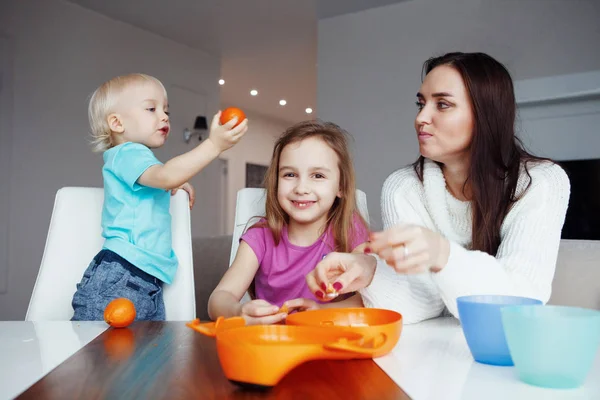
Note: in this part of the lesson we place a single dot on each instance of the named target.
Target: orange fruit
(119, 313)
(229, 113)
(330, 288)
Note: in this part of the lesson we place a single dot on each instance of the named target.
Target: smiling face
(444, 123)
(308, 181)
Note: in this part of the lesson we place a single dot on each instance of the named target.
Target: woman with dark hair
(475, 214)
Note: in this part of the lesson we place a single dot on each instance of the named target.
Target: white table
(29, 350)
(432, 361)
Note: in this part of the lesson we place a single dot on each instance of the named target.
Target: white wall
(6, 96)
(256, 147)
(369, 64)
(61, 54)
(559, 115)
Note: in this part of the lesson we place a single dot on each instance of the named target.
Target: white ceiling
(269, 45)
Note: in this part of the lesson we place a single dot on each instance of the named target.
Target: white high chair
(251, 203)
(74, 238)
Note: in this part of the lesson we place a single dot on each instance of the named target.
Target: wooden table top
(167, 360)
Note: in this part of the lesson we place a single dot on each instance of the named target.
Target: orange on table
(119, 313)
(231, 112)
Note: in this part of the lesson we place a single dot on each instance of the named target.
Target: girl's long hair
(343, 214)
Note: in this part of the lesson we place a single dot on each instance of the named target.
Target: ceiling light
(308, 110)
(282, 102)
(253, 92)
(221, 82)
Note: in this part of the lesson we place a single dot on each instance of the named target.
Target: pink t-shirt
(283, 268)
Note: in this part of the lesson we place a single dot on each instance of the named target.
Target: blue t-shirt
(136, 222)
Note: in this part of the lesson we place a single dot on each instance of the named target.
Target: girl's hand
(261, 312)
(301, 304)
(189, 189)
(411, 249)
(346, 272)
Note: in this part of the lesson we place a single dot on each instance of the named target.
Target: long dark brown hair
(496, 153)
(344, 210)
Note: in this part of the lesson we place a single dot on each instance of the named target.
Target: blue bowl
(552, 346)
(481, 322)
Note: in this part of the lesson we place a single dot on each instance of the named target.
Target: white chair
(251, 203)
(74, 238)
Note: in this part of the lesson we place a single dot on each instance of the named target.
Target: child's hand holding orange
(261, 312)
(300, 304)
(227, 135)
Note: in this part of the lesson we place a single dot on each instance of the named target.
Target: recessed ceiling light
(221, 82)
(253, 92)
(308, 110)
(282, 102)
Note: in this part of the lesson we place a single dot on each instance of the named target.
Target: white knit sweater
(525, 261)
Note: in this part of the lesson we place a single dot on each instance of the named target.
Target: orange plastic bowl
(372, 323)
(261, 355)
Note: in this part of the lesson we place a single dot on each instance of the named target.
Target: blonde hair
(344, 211)
(102, 103)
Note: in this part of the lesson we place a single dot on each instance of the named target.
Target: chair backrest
(577, 277)
(74, 238)
(251, 203)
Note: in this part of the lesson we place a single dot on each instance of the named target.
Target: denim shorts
(110, 276)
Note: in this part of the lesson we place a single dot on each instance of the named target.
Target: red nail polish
(319, 294)
(324, 287)
(367, 250)
(337, 286)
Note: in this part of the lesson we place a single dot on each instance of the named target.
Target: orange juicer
(261, 355)
(371, 323)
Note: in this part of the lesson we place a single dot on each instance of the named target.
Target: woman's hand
(261, 312)
(346, 272)
(411, 249)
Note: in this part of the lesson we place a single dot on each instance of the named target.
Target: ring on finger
(406, 252)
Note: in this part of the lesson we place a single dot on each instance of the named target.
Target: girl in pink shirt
(310, 212)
